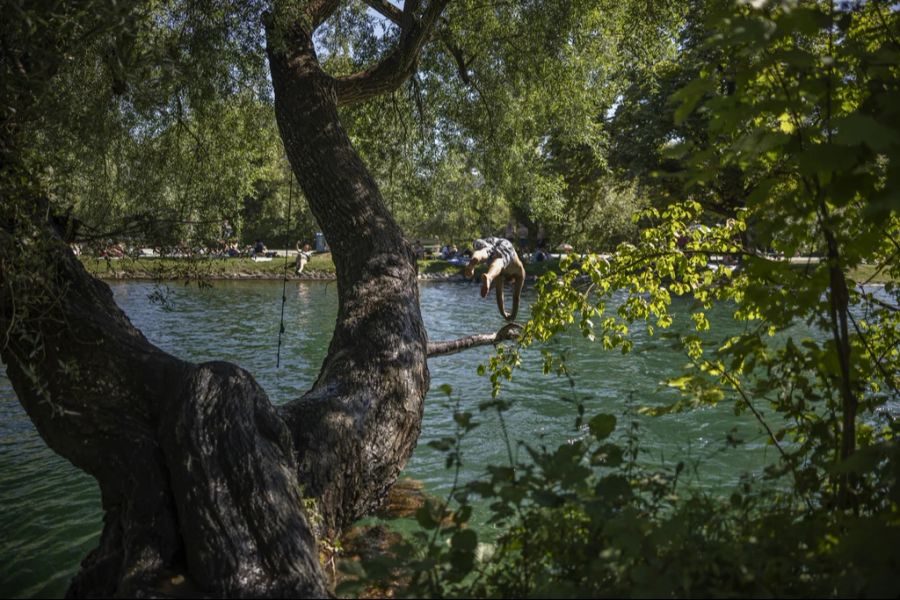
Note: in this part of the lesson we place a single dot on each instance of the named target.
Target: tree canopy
(503, 120)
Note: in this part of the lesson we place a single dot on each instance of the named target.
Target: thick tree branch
(510, 331)
(398, 65)
(386, 9)
(395, 15)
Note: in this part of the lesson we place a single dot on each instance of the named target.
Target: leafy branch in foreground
(816, 150)
(806, 117)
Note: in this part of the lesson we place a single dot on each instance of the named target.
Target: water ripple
(51, 512)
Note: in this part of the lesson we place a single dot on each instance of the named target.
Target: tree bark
(196, 470)
(368, 400)
(510, 331)
(203, 481)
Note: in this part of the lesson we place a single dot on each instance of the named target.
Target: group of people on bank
(498, 254)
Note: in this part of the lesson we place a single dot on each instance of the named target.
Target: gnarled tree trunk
(357, 426)
(203, 481)
(196, 469)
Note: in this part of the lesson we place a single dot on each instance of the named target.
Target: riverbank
(320, 267)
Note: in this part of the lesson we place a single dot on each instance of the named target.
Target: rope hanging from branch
(284, 278)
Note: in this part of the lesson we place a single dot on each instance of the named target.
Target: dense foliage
(158, 127)
(155, 128)
(804, 120)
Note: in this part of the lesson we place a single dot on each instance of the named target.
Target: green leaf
(425, 518)
(442, 444)
(862, 461)
(465, 540)
(858, 130)
(689, 97)
(826, 158)
(462, 418)
(607, 455)
(463, 543)
(803, 20)
(614, 488)
(796, 57)
(602, 425)
(482, 488)
(547, 498)
(759, 142)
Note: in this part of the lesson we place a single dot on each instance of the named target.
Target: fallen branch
(510, 331)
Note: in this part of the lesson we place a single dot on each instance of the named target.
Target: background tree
(521, 92)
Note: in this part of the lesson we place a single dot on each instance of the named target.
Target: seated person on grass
(303, 256)
(503, 264)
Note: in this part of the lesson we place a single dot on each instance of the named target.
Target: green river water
(51, 513)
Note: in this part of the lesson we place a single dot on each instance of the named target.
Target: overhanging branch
(385, 9)
(395, 15)
(462, 66)
(388, 74)
(510, 331)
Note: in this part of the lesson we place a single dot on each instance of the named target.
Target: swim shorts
(497, 247)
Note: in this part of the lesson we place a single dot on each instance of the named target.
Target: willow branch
(388, 74)
(510, 331)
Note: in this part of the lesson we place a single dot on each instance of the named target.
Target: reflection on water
(51, 516)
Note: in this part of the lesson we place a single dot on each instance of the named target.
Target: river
(51, 513)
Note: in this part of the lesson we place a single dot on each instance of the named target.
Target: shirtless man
(503, 264)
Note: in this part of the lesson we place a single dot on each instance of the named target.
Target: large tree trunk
(355, 429)
(203, 481)
(195, 467)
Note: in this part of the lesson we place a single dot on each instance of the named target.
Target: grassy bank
(319, 267)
